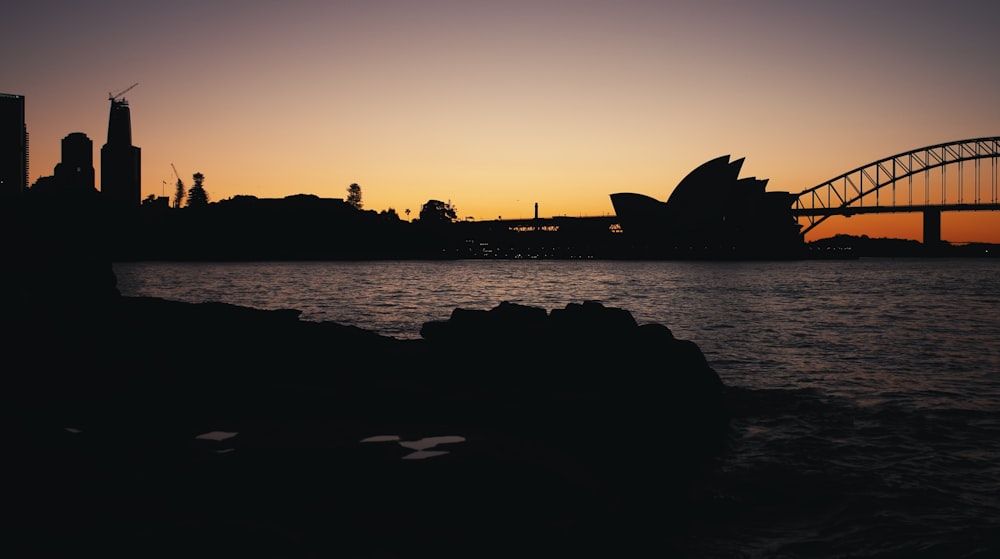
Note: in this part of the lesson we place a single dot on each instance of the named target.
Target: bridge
(930, 180)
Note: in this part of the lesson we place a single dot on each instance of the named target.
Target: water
(866, 392)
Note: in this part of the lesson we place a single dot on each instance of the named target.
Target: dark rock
(505, 322)
(574, 424)
(581, 344)
(593, 317)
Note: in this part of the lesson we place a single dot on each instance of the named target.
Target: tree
(437, 212)
(179, 194)
(354, 195)
(197, 197)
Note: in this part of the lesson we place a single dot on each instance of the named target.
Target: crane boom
(113, 96)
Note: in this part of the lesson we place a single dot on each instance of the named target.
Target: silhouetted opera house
(712, 213)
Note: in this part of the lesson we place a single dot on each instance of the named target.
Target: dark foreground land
(139, 427)
(142, 428)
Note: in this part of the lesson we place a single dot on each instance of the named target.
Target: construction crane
(180, 189)
(114, 96)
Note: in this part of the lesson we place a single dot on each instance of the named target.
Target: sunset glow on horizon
(498, 106)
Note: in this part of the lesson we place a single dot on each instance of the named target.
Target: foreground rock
(145, 427)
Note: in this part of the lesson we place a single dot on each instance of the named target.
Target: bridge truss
(887, 185)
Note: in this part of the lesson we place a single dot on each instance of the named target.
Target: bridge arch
(873, 188)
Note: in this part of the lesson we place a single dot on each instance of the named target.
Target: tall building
(74, 174)
(120, 160)
(13, 145)
(77, 165)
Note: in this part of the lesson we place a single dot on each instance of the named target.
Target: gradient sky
(495, 106)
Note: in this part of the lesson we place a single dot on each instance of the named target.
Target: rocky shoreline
(145, 427)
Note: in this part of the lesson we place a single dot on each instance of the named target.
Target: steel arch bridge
(887, 185)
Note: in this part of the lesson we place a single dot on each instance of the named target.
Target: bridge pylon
(932, 227)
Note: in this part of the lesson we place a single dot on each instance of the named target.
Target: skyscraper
(74, 175)
(13, 145)
(121, 161)
(77, 165)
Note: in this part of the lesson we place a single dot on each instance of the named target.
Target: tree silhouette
(354, 195)
(437, 212)
(179, 194)
(197, 197)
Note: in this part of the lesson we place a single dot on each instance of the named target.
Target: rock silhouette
(586, 439)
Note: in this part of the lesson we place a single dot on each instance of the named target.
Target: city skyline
(498, 107)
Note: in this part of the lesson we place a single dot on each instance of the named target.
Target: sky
(497, 106)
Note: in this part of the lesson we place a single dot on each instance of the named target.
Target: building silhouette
(13, 145)
(74, 174)
(121, 175)
(77, 165)
(712, 213)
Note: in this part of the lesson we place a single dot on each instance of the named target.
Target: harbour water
(866, 393)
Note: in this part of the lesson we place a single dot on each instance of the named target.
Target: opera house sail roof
(712, 213)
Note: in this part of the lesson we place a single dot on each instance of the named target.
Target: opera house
(712, 214)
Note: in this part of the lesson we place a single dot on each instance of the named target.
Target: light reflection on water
(421, 448)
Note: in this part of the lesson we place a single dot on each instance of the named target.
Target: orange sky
(498, 106)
